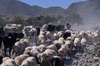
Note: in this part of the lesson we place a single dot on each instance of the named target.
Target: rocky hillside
(15, 7)
(89, 10)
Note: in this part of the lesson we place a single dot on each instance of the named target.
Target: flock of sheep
(32, 50)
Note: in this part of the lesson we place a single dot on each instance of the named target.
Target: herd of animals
(45, 46)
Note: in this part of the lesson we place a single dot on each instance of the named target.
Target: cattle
(1, 57)
(51, 27)
(2, 32)
(1, 39)
(56, 61)
(10, 40)
(60, 28)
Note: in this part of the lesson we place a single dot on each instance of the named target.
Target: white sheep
(77, 43)
(30, 61)
(9, 62)
(21, 58)
(62, 51)
(5, 58)
(83, 44)
(19, 47)
(45, 56)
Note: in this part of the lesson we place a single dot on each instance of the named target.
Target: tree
(2, 22)
(74, 17)
(20, 20)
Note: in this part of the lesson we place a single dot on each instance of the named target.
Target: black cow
(19, 35)
(1, 39)
(1, 57)
(38, 30)
(60, 28)
(2, 33)
(51, 27)
(10, 40)
(56, 61)
(66, 34)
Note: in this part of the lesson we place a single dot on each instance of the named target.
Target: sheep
(44, 28)
(42, 38)
(83, 44)
(27, 50)
(19, 47)
(69, 46)
(61, 40)
(52, 47)
(30, 61)
(62, 51)
(42, 48)
(58, 45)
(21, 58)
(77, 43)
(34, 51)
(49, 35)
(45, 56)
(9, 62)
(48, 42)
(5, 58)
(96, 38)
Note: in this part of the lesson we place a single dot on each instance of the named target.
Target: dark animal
(1, 39)
(51, 27)
(2, 33)
(56, 61)
(60, 28)
(10, 40)
(38, 30)
(1, 57)
(19, 35)
(66, 34)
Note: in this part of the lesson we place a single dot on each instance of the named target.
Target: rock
(96, 59)
(84, 54)
(98, 53)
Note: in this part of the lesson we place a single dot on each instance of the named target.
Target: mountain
(89, 10)
(15, 7)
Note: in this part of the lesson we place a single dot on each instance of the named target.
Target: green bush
(96, 48)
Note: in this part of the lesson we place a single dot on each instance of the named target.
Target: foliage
(96, 48)
(96, 28)
(2, 21)
(19, 20)
(42, 19)
(74, 17)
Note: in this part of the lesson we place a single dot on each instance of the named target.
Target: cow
(2, 32)
(1, 39)
(60, 28)
(10, 40)
(51, 27)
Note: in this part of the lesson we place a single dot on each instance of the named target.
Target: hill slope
(89, 10)
(14, 7)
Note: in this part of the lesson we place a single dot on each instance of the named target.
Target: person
(68, 26)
